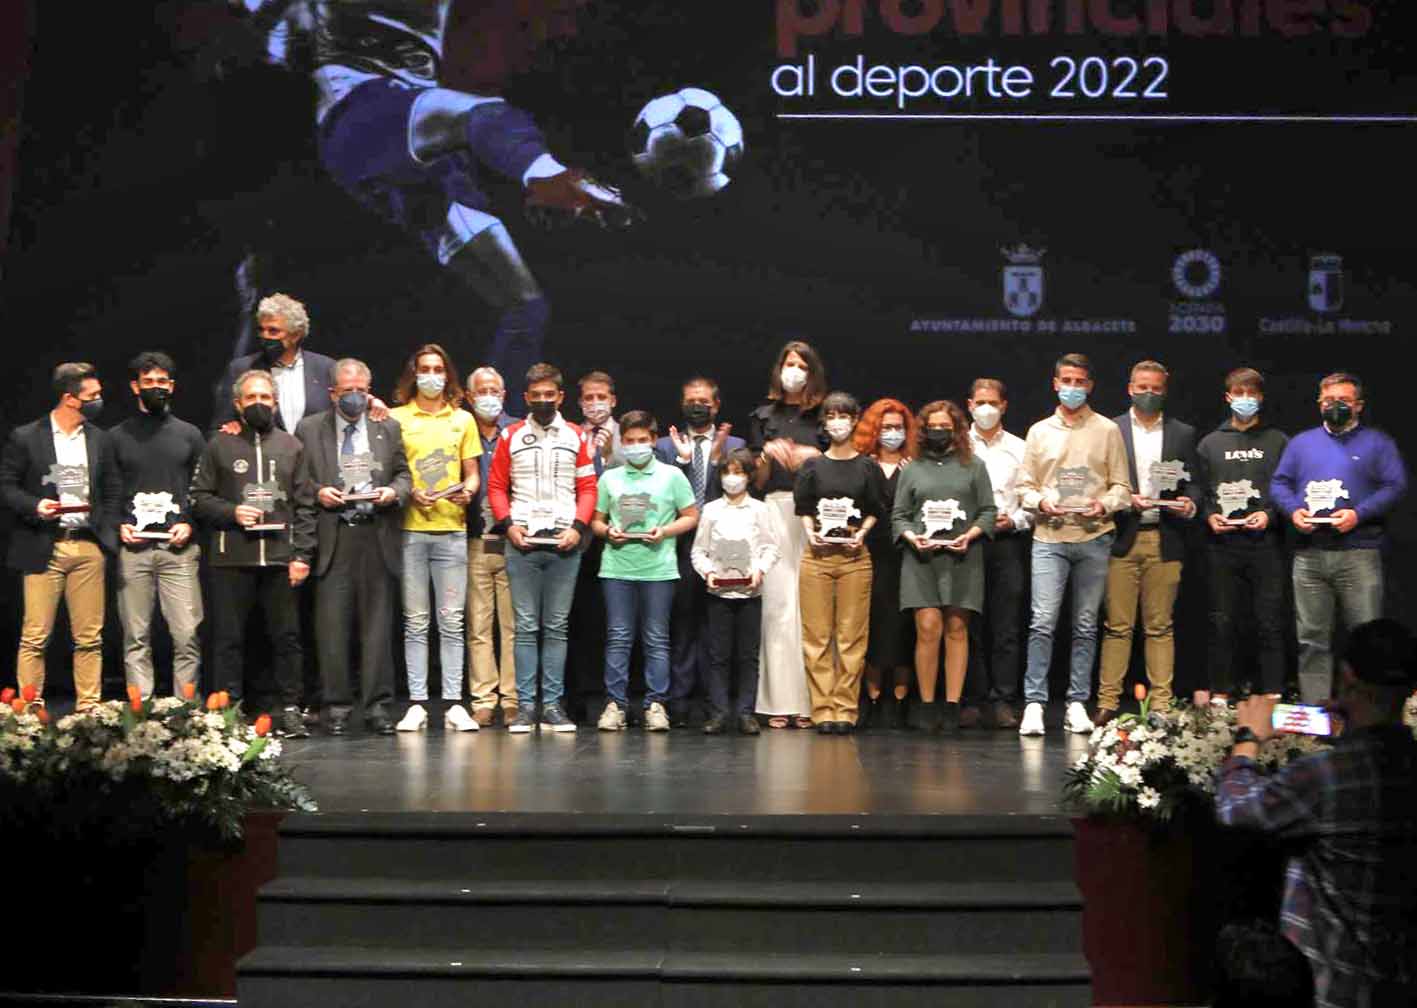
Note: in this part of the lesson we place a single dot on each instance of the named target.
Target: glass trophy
(1076, 488)
(939, 518)
(153, 509)
(432, 472)
(633, 509)
(72, 484)
(1323, 495)
(356, 473)
(732, 562)
(263, 496)
(543, 524)
(1234, 499)
(1166, 477)
(838, 518)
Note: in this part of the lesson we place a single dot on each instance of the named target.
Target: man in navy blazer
(697, 450)
(59, 476)
(1151, 541)
(303, 378)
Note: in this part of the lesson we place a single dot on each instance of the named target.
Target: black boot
(925, 717)
(949, 721)
(893, 712)
(870, 719)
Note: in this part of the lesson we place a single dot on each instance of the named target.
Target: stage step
(639, 910)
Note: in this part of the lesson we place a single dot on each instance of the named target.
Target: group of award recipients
(793, 579)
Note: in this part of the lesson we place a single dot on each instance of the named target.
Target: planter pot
(1148, 915)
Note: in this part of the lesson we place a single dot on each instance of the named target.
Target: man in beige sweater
(1074, 476)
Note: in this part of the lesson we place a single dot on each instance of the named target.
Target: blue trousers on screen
(642, 606)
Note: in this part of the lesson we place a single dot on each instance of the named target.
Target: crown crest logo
(1022, 255)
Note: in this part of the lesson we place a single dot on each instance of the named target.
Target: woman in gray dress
(943, 503)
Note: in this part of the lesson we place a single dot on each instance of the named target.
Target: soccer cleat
(1032, 723)
(1077, 720)
(414, 719)
(612, 718)
(656, 717)
(523, 721)
(553, 718)
(574, 195)
(458, 719)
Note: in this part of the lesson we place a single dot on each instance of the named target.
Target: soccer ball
(687, 142)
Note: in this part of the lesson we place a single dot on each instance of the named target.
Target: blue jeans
(645, 604)
(441, 557)
(1350, 580)
(1055, 566)
(542, 583)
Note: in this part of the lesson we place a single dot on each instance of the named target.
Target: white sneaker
(416, 719)
(1077, 719)
(656, 718)
(1032, 723)
(612, 718)
(458, 719)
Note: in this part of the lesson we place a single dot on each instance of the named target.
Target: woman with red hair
(887, 433)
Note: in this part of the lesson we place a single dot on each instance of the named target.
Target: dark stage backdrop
(929, 191)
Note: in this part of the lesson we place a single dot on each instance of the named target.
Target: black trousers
(357, 588)
(688, 651)
(735, 629)
(235, 590)
(585, 651)
(1237, 573)
(996, 672)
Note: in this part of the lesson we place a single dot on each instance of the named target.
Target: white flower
(1149, 798)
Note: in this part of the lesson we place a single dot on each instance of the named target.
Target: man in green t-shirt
(640, 508)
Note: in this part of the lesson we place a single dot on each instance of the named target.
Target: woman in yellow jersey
(442, 446)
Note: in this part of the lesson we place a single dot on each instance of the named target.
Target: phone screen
(1301, 719)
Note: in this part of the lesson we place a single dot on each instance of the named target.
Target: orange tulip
(17, 705)
(223, 700)
(43, 715)
(263, 725)
(136, 705)
(29, 693)
(213, 701)
(189, 690)
(1139, 691)
(7, 694)
(135, 695)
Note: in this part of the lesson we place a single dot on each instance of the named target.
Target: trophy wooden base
(1234, 521)
(635, 536)
(1170, 505)
(64, 509)
(267, 527)
(1074, 508)
(361, 498)
(837, 540)
(1323, 521)
(732, 582)
(542, 540)
(437, 495)
(154, 536)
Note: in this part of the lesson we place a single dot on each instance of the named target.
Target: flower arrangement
(1156, 766)
(132, 770)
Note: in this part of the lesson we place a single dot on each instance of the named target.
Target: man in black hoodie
(1244, 536)
(245, 491)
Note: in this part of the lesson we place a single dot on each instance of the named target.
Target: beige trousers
(1140, 575)
(489, 599)
(75, 574)
(835, 592)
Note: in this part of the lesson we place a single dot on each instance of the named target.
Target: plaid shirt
(1350, 893)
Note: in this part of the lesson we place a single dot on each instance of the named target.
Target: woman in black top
(887, 434)
(782, 433)
(839, 497)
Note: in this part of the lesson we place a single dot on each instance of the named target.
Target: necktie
(698, 474)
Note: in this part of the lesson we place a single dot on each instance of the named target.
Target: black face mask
(938, 442)
(1149, 402)
(1337, 414)
(155, 399)
(259, 417)
(542, 412)
(91, 410)
(272, 349)
(698, 414)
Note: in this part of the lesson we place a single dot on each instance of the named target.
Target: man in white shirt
(996, 679)
(303, 378)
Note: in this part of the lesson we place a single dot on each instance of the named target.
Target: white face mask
(597, 412)
(892, 439)
(734, 484)
(430, 384)
(793, 378)
(488, 407)
(839, 429)
(986, 416)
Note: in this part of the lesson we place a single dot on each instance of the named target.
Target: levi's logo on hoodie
(1241, 454)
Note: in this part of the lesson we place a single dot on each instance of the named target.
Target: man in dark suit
(698, 450)
(303, 378)
(363, 481)
(60, 477)
(1150, 547)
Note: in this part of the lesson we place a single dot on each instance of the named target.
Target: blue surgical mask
(1072, 396)
(892, 439)
(353, 404)
(1244, 407)
(430, 384)
(638, 454)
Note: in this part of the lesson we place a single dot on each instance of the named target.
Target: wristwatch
(1245, 734)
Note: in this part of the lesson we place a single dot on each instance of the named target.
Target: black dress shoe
(826, 727)
(845, 728)
(950, 718)
(715, 725)
(893, 712)
(872, 713)
(379, 725)
(679, 718)
(748, 725)
(337, 724)
(292, 725)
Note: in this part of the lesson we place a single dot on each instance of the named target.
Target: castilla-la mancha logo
(1326, 282)
(1023, 280)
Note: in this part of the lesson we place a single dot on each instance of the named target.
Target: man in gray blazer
(362, 482)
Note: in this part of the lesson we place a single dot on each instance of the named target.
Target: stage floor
(686, 773)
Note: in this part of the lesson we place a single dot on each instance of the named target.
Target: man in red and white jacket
(541, 488)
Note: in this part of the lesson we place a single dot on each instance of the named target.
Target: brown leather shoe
(1005, 716)
(970, 717)
(483, 716)
(1103, 715)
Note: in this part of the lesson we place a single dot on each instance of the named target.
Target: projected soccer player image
(420, 154)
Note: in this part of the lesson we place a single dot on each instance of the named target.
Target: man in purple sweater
(1336, 482)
